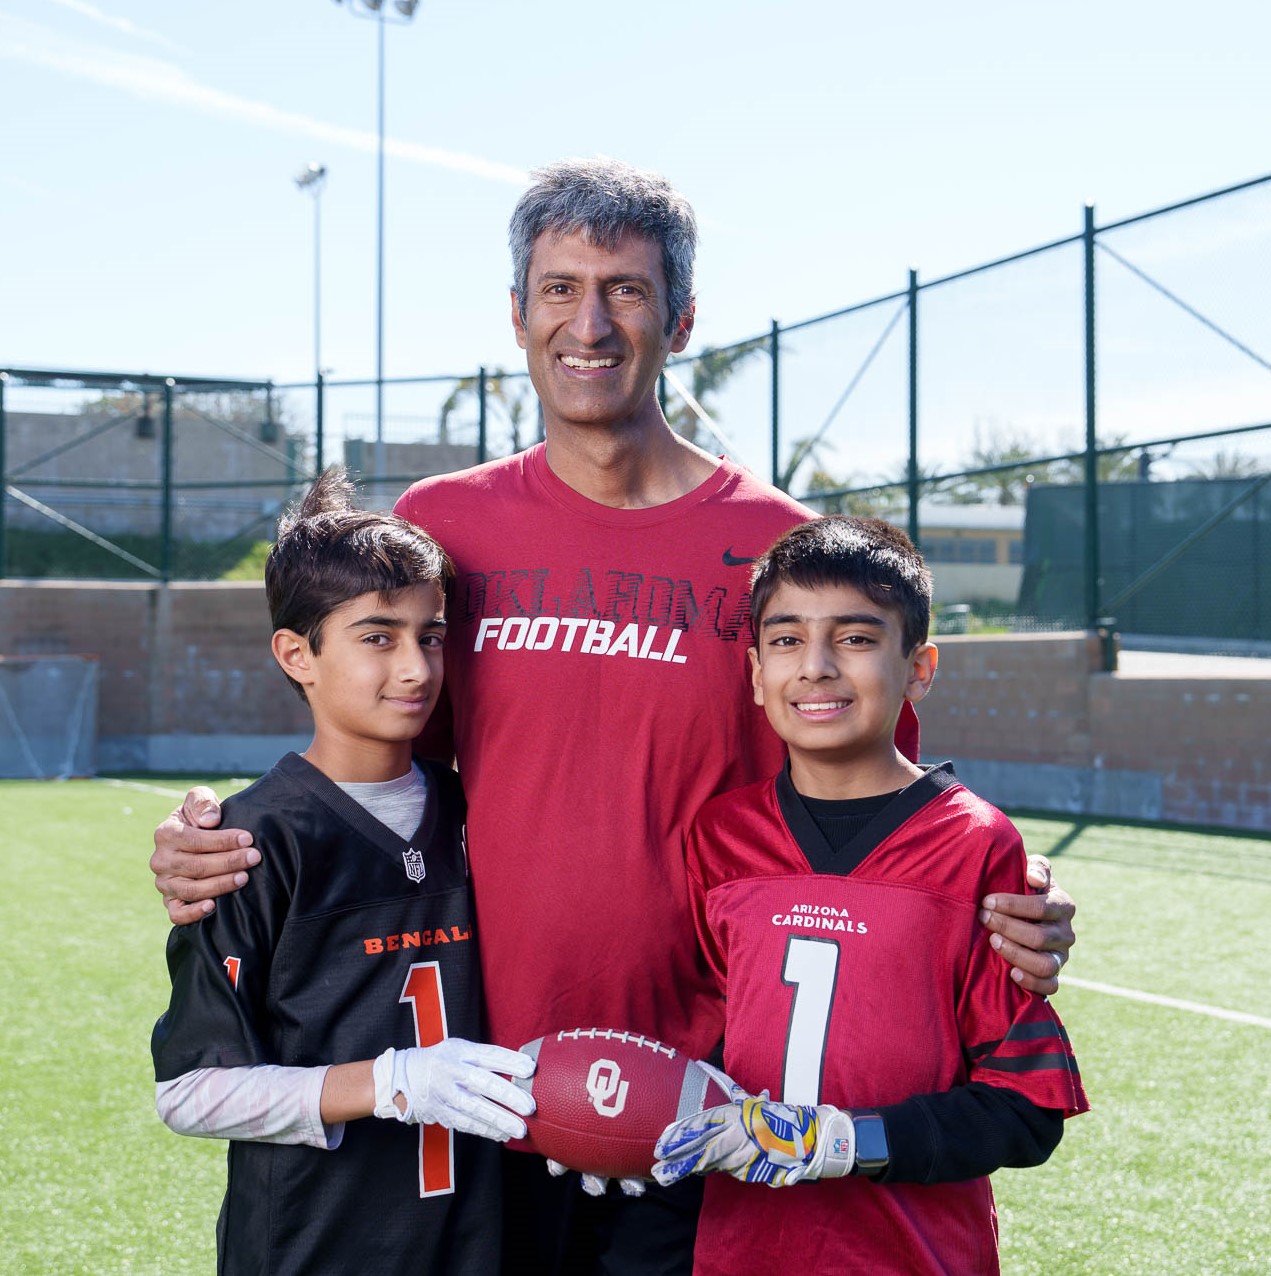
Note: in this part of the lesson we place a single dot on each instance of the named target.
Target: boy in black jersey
(342, 983)
(820, 894)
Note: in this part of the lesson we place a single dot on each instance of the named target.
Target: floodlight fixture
(365, 8)
(311, 176)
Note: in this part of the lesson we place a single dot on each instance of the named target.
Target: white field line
(1196, 1007)
(180, 793)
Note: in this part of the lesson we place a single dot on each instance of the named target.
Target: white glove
(597, 1184)
(454, 1084)
(759, 1141)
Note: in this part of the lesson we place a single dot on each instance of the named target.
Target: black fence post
(774, 349)
(4, 483)
(912, 475)
(319, 405)
(165, 560)
(482, 446)
(1093, 584)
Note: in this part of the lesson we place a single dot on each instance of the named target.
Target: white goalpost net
(48, 717)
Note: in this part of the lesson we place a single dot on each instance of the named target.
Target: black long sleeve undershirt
(966, 1132)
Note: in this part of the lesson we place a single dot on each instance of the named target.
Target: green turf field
(1170, 1173)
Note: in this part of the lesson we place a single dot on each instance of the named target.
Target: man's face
(594, 331)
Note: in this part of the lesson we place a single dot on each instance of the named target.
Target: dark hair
(329, 551)
(865, 553)
(606, 199)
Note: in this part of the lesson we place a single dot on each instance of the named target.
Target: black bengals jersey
(345, 941)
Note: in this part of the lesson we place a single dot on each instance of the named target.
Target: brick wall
(1032, 721)
(188, 683)
(1205, 737)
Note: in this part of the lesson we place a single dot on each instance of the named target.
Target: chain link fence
(135, 478)
(1077, 435)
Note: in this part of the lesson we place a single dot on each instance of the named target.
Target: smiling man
(596, 674)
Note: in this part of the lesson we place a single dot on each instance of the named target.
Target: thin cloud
(152, 80)
(115, 24)
(22, 185)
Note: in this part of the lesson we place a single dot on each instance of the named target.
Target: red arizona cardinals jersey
(860, 987)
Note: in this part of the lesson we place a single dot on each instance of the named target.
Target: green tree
(995, 447)
(870, 502)
(1118, 462)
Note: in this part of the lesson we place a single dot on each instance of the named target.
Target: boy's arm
(265, 1103)
(1022, 1078)
(453, 1084)
(941, 1138)
(966, 1133)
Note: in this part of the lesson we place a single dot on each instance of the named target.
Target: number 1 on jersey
(422, 990)
(811, 968)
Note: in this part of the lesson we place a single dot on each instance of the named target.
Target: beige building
(104, 469)
(974, 551)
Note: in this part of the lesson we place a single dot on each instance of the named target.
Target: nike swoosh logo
(731, 560)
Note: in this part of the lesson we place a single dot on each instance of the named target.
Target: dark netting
(1185, 559)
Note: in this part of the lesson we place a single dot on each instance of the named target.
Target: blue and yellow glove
(759, 1141)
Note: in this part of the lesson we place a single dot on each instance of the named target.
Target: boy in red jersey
(817, 896)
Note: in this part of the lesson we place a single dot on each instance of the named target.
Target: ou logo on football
(607, 1088)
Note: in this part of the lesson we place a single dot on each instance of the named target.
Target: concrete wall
(187, 683)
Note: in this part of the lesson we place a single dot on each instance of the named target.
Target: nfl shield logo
(414, 862)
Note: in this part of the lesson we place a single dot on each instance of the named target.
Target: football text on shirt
(547, 633)
(610, 613)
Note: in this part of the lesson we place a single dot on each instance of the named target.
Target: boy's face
(832, 675)
(379, 669)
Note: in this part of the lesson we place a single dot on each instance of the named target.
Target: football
(604, 1097)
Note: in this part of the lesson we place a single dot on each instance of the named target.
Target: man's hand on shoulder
(195, 860)
(1033, 932)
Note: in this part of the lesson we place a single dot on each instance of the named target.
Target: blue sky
(149, 220)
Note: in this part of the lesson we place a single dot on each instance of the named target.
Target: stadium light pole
(312, 178)
(376, 9)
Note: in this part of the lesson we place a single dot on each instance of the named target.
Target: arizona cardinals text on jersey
(339, 951)
(860, 979)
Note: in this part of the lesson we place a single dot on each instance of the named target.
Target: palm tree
(512, 392)
(711, 369)
(1225, 465)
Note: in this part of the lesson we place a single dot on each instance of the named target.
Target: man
(596, 673)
